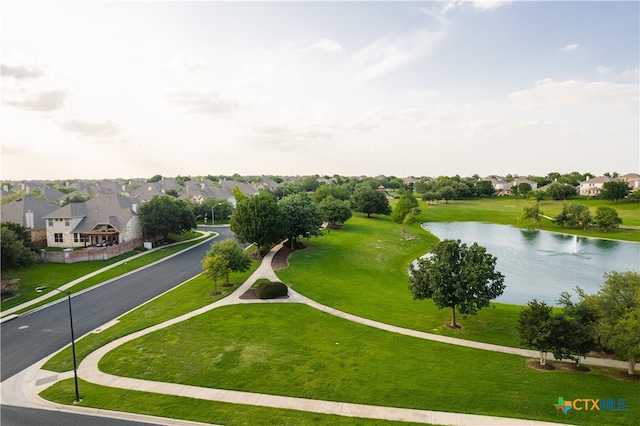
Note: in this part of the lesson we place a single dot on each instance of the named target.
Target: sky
(94, 90)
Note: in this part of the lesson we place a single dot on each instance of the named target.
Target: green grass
(58, 274)
(197, 410)
(295, 350)
(362, 269)
(187, 297)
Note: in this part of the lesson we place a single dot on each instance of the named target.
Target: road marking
(23, 327)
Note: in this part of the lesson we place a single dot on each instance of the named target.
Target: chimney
(134, 206)
(28, 219)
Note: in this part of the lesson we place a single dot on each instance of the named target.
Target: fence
(89, 253)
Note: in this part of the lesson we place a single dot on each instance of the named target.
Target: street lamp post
(73, 344)
(212, 216)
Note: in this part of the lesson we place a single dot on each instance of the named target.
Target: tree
(334, 211)
(574, 215)
(259, 220)
(367, 200)
(523, 188)
(215, 267)
(614, 190)
(237, 259)
(532, 212)
(446, 193)
(484, 188)
(606, 218)
(560, 191)
(537, 194)
(155, 178)
(405, 204)
(457, 276)
(409, 220)
(534, 325)
(618, 303)
(429, 196)
(238, 194)
(164, 214)
(304, 218)
(15, 250)
(573, 329)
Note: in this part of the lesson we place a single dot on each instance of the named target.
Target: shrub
(271, 290)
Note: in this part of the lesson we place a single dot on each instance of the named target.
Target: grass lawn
(362, 269)
(295, 350)
(58, 274)
(189, 296)
(197, 410)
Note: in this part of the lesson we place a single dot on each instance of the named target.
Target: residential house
(498, 183)
(106, 219)
(517, 181)
(29, 211)
(592, 187)
(632, 179)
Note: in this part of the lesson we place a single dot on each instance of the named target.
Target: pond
(540, 264)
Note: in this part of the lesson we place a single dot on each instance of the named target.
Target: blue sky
(132, 89)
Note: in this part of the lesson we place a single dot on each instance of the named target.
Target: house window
(67, 222)
(50, 222)
(57, 237)
(78, 238)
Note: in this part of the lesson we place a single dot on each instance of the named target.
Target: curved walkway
(88, 369)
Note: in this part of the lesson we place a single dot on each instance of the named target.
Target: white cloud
(389, 53)
(38, 100)
(186, 64)
(326, 44)
(206, 101)
(96, 128)
(21, 72)
(570, 47)
(478, 5)
(549, 94)
(603, 70)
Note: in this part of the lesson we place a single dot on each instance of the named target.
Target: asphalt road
(29, 338)
(19, 416)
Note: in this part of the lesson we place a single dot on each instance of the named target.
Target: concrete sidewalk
(88, 369)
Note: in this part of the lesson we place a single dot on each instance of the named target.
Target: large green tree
(561, 191)
(237, 259)
(572, 330)
(534, 325)
(457, 276)
(618, 325)
(164, 214)
(614, 190)
(606, 218)
(405, 204)
(259, 219)
(367, 200)
(334, 211)
(304, 218)
(574, 215)
(16, 251)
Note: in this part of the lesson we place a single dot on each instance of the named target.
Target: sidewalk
(88, 370)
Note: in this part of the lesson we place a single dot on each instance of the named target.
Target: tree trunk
(543, 357)
(632, 366)
(453, 317)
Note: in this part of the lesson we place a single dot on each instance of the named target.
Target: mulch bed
(281, 259)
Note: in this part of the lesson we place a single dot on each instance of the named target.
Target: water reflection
(540, 264)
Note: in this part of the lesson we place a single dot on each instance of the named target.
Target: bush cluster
(271, 290)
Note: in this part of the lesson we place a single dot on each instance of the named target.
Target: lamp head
(40, 288)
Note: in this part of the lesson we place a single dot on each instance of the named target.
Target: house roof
(599, 179)
(105, 208)
(16, 210)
